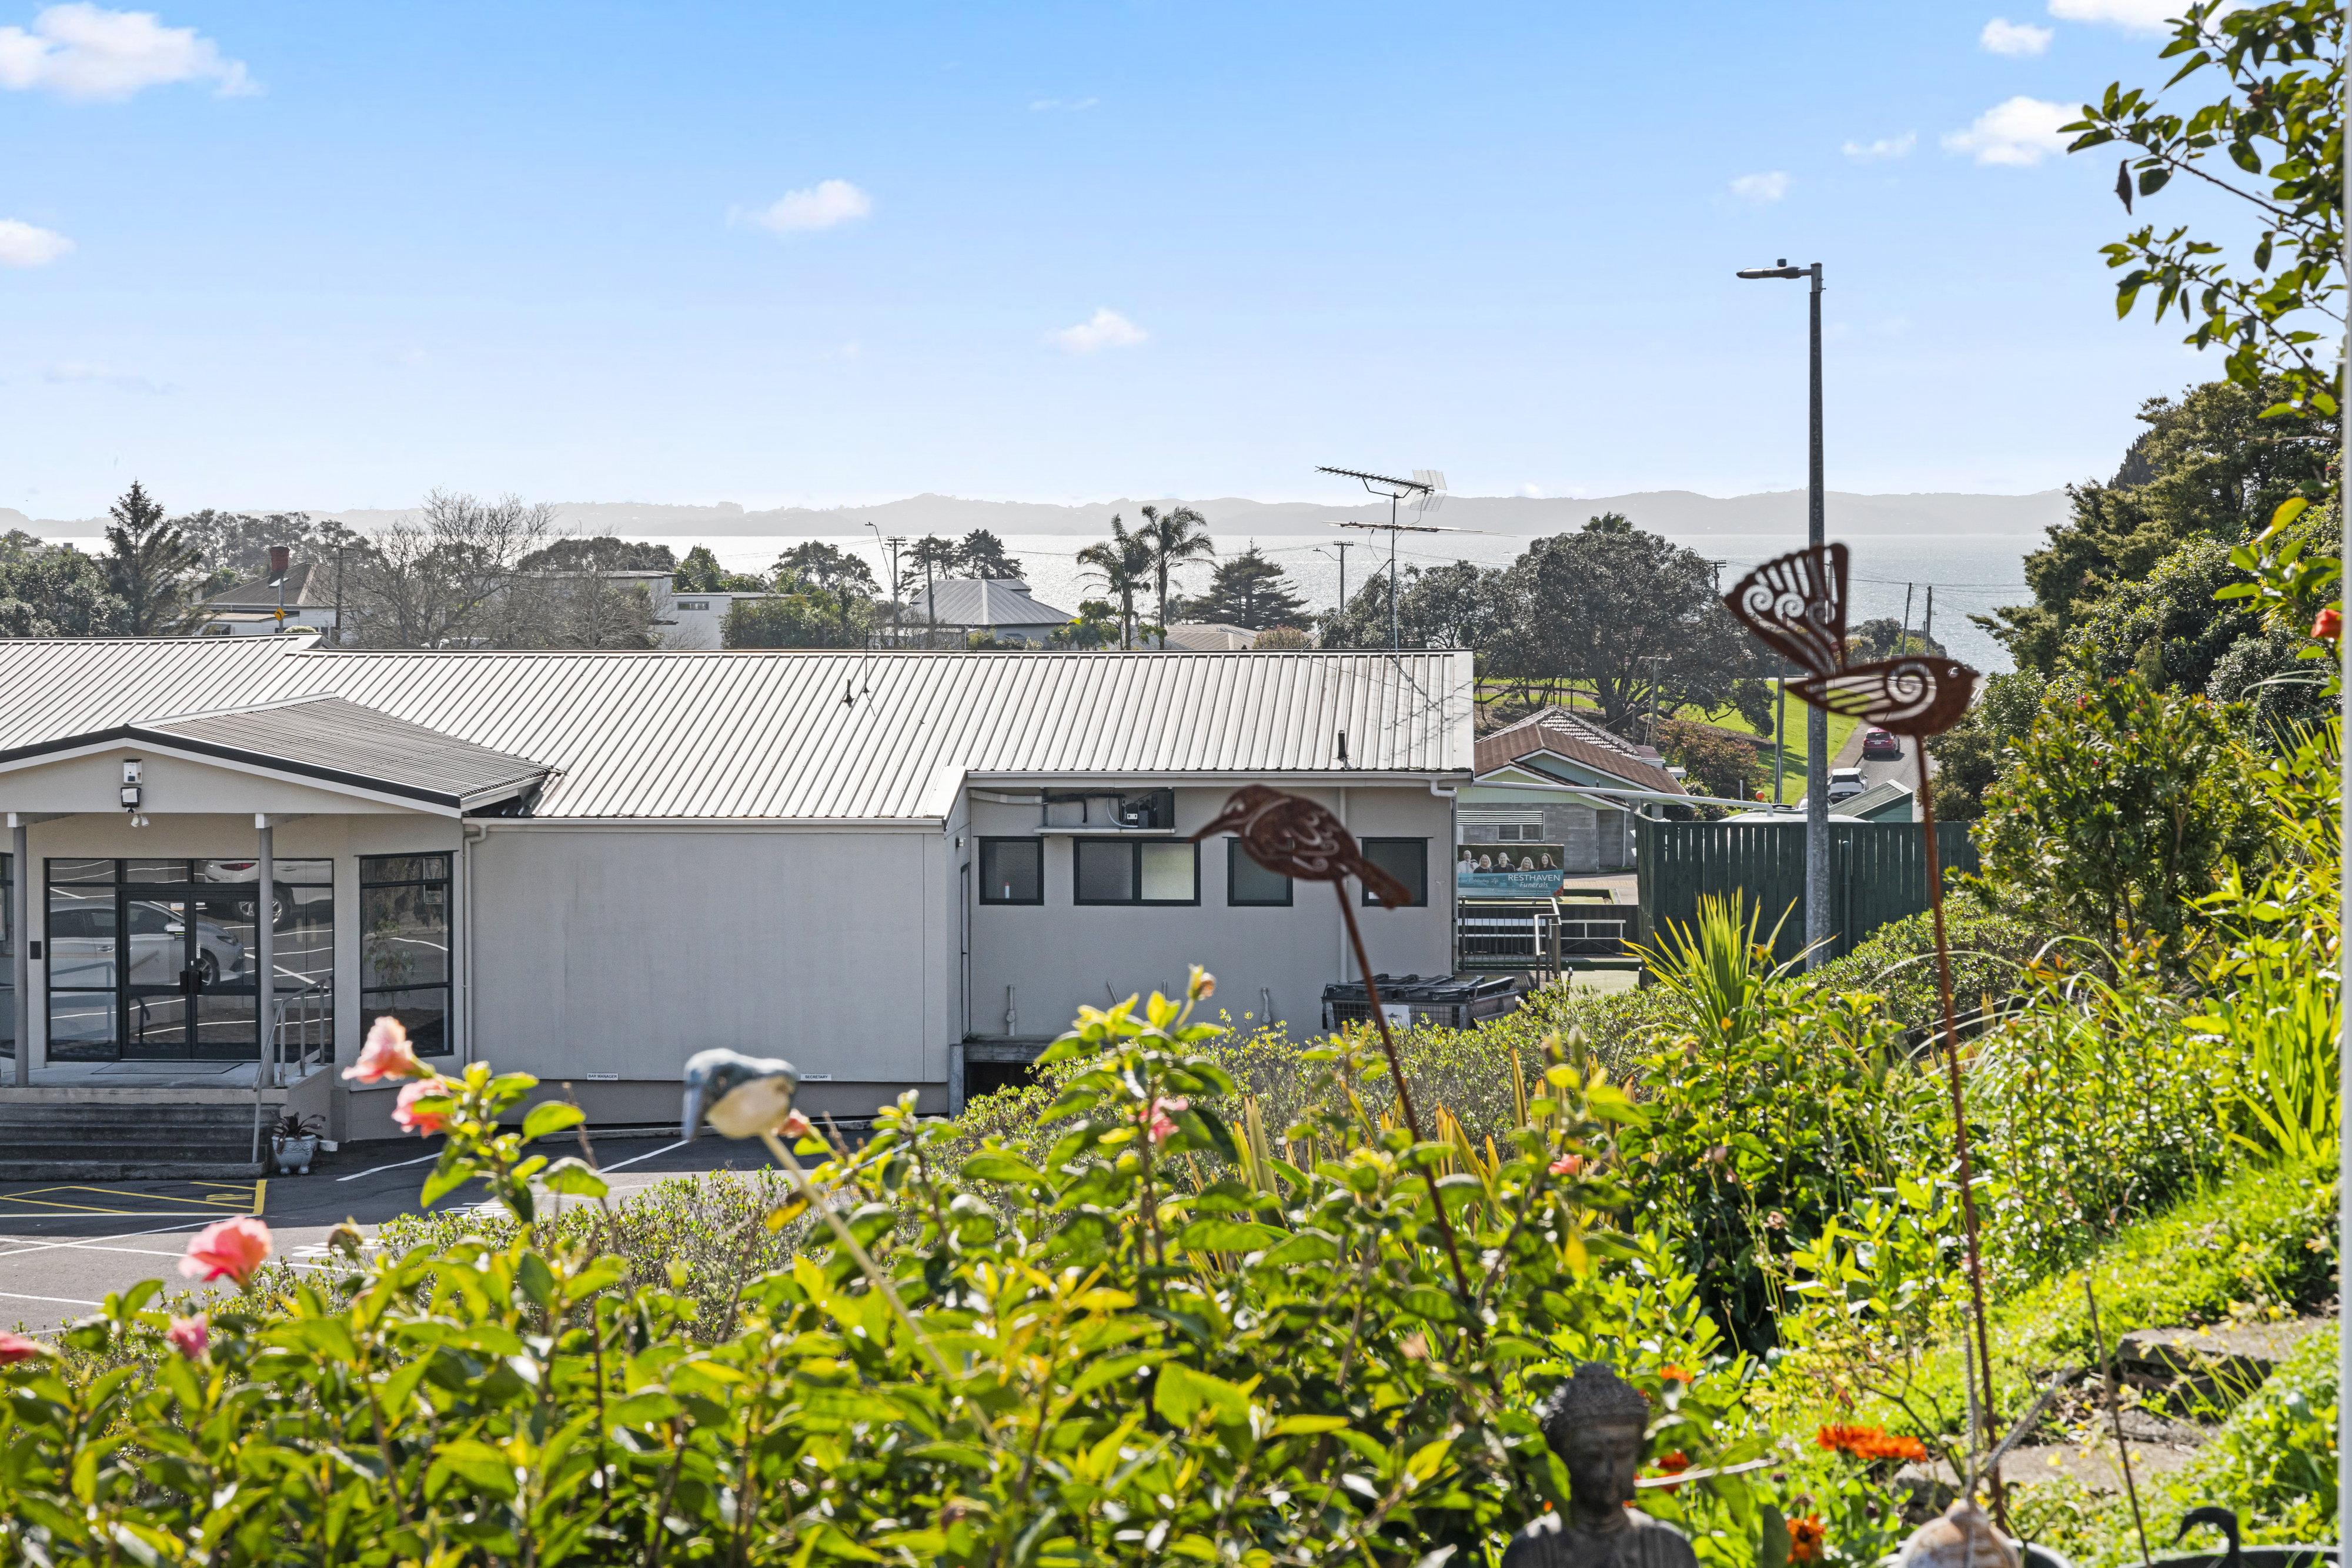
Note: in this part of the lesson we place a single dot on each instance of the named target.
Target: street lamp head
(1778, 270)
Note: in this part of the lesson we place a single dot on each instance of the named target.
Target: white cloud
(2003, 36)
(1105, 328)
(22, 245)
(77, 370)
(827, 204)
(80, 50)
(1760, 189)
(1885, 147)
(2020, 133)
(2135, 15)
(1532, 492)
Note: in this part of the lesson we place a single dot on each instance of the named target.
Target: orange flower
(2328, 625)
(1870, 1443)
(1670, 1373)
(1674, 1464)
(1568, 1164)
(1805, 1536)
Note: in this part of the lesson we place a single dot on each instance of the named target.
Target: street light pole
(1817, 720)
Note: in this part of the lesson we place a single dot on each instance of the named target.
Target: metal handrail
(270, 1071)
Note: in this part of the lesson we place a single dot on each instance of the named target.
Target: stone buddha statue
(1595, 1421)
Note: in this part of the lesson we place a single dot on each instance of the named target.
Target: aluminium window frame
(1235, 856)
(1366, 845)
(1135, 873)
(981, 846)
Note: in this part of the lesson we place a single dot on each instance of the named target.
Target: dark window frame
(986, 847)
(1421, 899)
(446, 987)
(1235, 856)
(1135, 874)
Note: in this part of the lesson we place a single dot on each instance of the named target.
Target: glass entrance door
(188, 968)
(158, 959)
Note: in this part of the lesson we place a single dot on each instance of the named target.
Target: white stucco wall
(1060, 954)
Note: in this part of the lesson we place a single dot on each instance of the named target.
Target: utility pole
(1780, 736)
(890, 547)
(1902, 643)
(1817, 720)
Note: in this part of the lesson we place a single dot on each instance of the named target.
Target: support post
(264, 922)
(21, 950)
(1817, 720)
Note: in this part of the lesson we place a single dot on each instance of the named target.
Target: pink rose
(15, 1347)
(190, 1336)
(231, 1249)
(404, 1111)
(1158, 1119)
(386, 1054)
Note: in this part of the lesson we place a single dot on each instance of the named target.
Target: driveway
(64, 1246)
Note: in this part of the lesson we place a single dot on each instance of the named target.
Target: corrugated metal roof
(332, 734)
(984, 601)
(766, 734)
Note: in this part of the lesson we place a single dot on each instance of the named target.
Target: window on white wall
(1111, 871)
(1012, 871)
(1407, 860)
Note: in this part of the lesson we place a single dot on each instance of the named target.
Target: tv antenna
(1424, 492)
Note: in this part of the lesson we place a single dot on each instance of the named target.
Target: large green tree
(1461, 605)
(830, 566)
(150, 565)
(982, 554)
(700, 572)
(1624, 613)
(1247, 590)
(2210, 467)
(604, 552)
(54, 590)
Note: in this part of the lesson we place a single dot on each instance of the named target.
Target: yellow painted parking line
(217, 1198)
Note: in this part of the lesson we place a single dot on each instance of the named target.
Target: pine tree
(150, 564)
(1247, 590)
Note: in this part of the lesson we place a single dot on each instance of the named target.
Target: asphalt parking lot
(65, 1244)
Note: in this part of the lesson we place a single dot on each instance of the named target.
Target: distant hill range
(1678, 513)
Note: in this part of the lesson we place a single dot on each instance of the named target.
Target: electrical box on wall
(1153, 809)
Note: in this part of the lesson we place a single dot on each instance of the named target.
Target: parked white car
(85, 947)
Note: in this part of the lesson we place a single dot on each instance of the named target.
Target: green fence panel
(1878, 875)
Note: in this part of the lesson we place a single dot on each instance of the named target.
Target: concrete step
(47, 1141)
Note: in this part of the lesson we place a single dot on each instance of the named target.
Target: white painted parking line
(60, 1300)
(402, 1164)
(663, 1150)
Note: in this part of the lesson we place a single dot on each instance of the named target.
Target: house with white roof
(901, 870)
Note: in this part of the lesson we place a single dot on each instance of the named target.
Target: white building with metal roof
(899, 868)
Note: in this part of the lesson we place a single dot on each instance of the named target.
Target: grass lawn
(1793, 757)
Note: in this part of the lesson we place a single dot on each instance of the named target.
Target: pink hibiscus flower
(190, 1336)
(386, 1054)
(231, 1249)
(404, 1111)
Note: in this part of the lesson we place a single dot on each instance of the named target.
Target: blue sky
(331, 256)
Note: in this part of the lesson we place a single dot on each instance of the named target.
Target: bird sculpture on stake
(1292, 836)
(1796, 604)
(752, 1097)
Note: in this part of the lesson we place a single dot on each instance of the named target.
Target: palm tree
(1123, 563)
(1176, 536)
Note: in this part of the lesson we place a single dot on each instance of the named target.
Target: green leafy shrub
(1161, 1340)
(2121, 807)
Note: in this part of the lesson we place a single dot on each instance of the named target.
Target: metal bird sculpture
(1796, 605)
(742, 1096)
(752, 1097)
(1292, 836)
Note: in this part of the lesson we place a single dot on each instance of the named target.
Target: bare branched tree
(436, 579)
